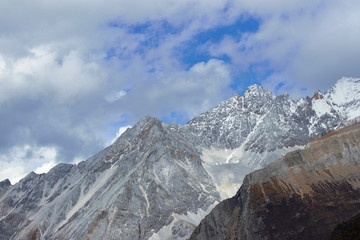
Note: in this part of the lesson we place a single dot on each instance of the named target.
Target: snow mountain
(245, 133)
(157, 180)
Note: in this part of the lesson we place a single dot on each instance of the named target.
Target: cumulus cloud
(45, 74)
(15, 163)
(115, 96)
(306, 44)
(119, 133)
(189, 92)
(64, 67)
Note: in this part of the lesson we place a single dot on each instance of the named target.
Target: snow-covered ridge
(158, 180)
(344, 97)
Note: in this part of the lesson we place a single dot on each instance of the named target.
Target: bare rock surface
(157, 181)
(305, 195)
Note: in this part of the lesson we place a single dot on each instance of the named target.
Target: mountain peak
(317, 95)
(5, 183)
(345, 86)
(148, 119)
(255, 87)
(255, 90)
(158, 180)
(344, 97)
(350, 80)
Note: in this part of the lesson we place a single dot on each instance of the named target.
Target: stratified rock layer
(305, 195)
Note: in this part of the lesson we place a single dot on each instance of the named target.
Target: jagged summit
(149, 178)
(158, 180)
(4, 186)
(5, 183)
(256, 90)
(141, 127)
(344, 97)
(317, 95)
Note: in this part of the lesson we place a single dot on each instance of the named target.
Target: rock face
(130, 190)
(305, 195)
(245, 133)
(4, 186)
(349, 229)
(260, 121)
(157, 181)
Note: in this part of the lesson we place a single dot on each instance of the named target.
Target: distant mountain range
(158, 181)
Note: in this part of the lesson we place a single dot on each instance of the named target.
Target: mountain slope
(343, 97)
(302, 196)
(128, 191)
(349, 229)
(158, 180)
(245, 133)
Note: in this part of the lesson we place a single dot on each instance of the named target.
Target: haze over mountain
(158, 180)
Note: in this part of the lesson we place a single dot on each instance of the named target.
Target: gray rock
(305, 195)
(162, 178)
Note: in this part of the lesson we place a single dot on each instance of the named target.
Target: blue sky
(75, 73)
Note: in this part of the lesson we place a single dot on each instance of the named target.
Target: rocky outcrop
(245, 133)
(263, 122)
(4, 186)
(305, 195)
(130, 190)
(158, 180)
(348, 230)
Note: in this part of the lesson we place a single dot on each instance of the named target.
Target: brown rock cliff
(305, 195)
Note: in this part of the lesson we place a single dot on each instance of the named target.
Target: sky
(74, 74)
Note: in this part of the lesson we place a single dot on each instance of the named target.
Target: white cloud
(119, 133)
(57, 83)
(20, 160)
(190, 92)
(307, 44)
(45, 167)
(115, 96)
(45, 73)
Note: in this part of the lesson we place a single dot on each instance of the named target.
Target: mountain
(304, 195)
(343, 97)
(245, 133)
(157, 180)
(350, 229)
(130, 190)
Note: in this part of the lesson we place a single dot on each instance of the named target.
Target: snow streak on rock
(158, 180)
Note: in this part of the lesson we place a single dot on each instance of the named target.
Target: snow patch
(321, 107)
(345, 97)
(187, 222)
(228, 167)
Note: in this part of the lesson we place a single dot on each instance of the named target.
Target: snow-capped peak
(255, 90)
(154, 174)
(344, 96)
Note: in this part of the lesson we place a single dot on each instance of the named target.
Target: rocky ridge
(245, 133)
(305, 195)
(130, 190)
(157, 181)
